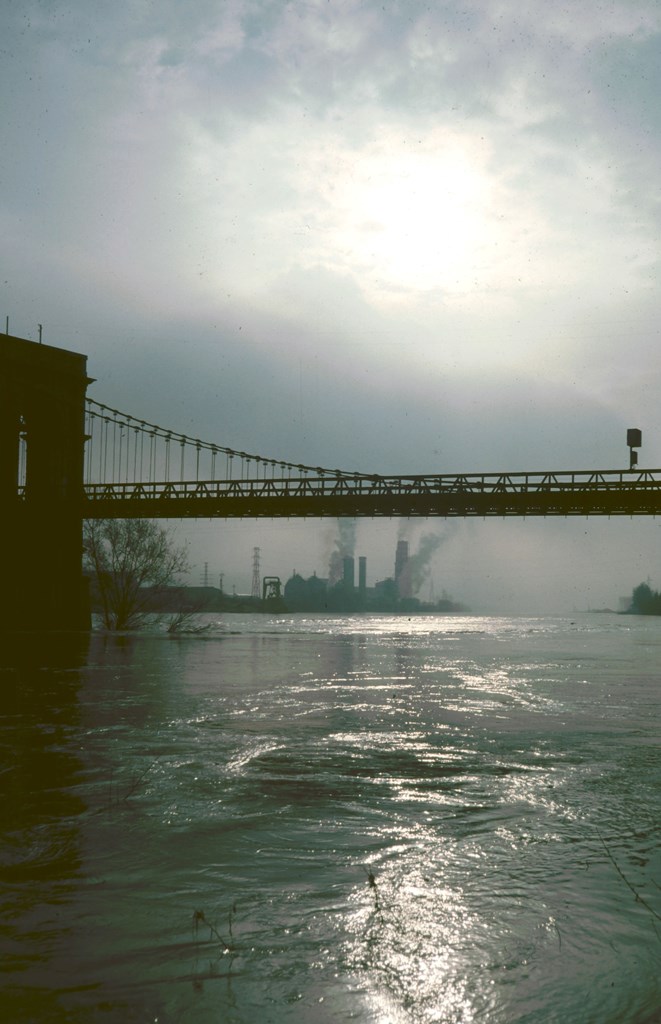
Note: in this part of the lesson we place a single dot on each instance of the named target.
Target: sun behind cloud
(399, 215)
(413, 219)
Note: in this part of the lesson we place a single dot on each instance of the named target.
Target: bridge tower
(42, 439)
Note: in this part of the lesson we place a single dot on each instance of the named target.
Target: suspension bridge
(138, 469)
(65, 457)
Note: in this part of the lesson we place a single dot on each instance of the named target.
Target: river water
(317, 819)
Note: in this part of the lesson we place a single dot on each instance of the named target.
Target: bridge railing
(375, 485)
(571, 493)
(568, 493)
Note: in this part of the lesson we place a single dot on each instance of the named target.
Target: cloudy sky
(391, 237)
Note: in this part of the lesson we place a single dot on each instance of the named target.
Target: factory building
(339, 592)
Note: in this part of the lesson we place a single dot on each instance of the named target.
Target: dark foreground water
(364, 819)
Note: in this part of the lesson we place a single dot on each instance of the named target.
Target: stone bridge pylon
(42, 441)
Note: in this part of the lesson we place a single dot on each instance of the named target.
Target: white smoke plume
(419, 564)
(345, 546)
(346, 536)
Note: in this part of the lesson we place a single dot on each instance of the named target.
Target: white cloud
(593, 20)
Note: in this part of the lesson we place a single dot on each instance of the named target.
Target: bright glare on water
(362, 818)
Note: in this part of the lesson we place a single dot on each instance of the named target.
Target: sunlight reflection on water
(373, 820)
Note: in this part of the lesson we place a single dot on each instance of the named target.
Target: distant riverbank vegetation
(645, 601)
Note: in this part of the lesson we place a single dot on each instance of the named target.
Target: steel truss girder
(585, 493)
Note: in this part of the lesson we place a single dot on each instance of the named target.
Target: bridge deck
(571, 493)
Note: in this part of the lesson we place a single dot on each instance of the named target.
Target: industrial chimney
(402, 569)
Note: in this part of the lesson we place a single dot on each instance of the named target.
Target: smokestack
(348, 576)
(402, 570)
(362, 574)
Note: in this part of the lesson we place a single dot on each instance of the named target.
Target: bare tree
(130, 560)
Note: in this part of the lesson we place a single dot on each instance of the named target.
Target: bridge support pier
(42, 439)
